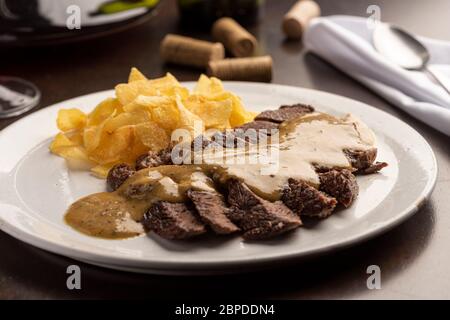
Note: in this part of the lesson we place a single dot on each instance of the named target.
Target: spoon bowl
(403, 49)
(400, 47)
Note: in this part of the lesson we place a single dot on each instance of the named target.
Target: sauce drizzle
(315, 139)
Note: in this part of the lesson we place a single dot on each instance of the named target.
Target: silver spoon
(403, 49)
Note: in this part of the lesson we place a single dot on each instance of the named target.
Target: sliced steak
(117, 176)
(172, 221)
(213, 211)
(242, 138)
(259, 218)
(341, 184)
(154, 159)
(361, 159)
(226, 139)
(306, 200)
(284, 113)
(362, 162)
(165, 155)
(259, 125)
(374, 168)
(200, 142)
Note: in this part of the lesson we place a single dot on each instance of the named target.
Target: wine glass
(17, 96)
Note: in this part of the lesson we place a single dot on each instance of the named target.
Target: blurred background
(36, 45)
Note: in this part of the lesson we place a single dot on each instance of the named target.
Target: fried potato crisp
(142, 117)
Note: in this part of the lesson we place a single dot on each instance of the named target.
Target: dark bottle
(201, 13)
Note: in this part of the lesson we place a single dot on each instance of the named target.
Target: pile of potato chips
(142, 118)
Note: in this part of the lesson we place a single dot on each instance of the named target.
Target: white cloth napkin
(346, 42)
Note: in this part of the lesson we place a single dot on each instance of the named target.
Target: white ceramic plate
(36, 188)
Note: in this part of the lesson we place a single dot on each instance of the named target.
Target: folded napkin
(346, 42)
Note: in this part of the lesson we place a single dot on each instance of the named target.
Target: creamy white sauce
(126, 224)
(169, 186)
(314, 139)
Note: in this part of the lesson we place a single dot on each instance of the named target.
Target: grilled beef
(117, 176)
(172, 221)
(154, 159)
(373, 168)
(305, 200)
(361, 159)
(259, 218)
(284, 113)
(340, 184)
(259, 125)
(212, 210)
(256, 217)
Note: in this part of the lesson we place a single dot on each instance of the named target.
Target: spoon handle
(437, 79)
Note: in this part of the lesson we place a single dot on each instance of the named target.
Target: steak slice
(154, 159)
(117, 176)
(286, 112)
(341, 184)
(306, 200)
(373, 168)
(258, 125)
(213, 211)
(361, 159)
(230, 138)
(259, 218)
(172, 221)
(200, 142)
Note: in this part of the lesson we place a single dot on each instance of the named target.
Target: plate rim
(173, 265)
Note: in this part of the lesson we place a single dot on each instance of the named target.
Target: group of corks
(239, 42)
(211, 55)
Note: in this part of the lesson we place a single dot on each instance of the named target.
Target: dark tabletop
(414, 257)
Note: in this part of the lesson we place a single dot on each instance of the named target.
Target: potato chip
(76, 137)
(208, 86)
(189, 120)
(135, 75)
(127, 92)
(137, 149)
(212, 89)
(142, 117)
(168, 81)
(147, 102)
(104, 110)
(61, 140)
(163, 110)
(69, 148)
(214, 114)
(126, 119)
(168, 86)
(113, 146)
(164, 86)
(73, 153)
(152, 136)
(239, 115)
(92, 136)
(70, 119)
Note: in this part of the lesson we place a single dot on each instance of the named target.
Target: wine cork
(234, 37)
(297, 19)
(191, 52)
(245, 69)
